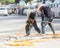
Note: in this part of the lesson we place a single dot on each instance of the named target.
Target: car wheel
(5, 15)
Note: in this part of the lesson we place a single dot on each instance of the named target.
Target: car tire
(5, 15)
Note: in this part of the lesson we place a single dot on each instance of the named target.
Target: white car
(3, 11)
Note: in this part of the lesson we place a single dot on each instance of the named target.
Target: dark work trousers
(29, 26)
(43, 25)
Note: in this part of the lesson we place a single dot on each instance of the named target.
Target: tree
(28, 1)
(17, 1)
(11, 1)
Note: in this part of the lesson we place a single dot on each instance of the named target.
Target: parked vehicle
(3, 11)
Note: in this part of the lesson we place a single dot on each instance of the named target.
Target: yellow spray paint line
(33, 35)
(26, 42)
(19, 44)
(22, 43)
(20, 34)
(30, 42)
(53, 34)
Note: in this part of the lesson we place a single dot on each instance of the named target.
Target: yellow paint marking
(27, 42)
(53, 34)
(14, 44)
(41, 40)
(34, 34)
(30, 42)
(22, 43)
(19, 34)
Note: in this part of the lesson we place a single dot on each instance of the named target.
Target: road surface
(13, 24)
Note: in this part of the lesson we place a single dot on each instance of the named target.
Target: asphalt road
(14, 23)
